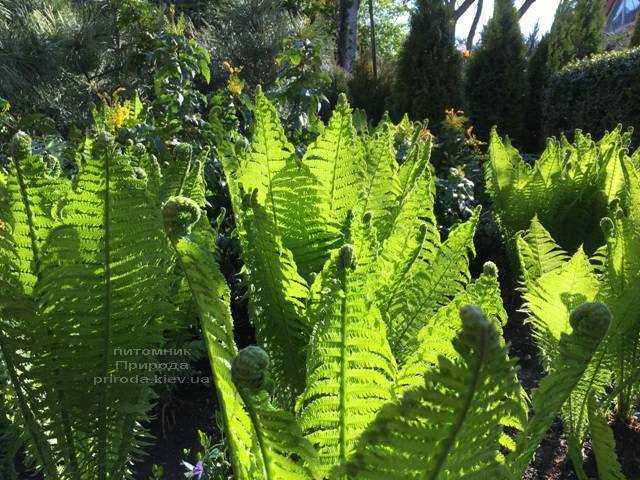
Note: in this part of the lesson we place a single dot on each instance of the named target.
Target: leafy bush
(569, 188)
(89, 287)
(595, 94)
(538, 75)
(371, 364)
(373, 95)
(496, 75)
(429, 65)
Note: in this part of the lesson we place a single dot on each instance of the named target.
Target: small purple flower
(198, 470)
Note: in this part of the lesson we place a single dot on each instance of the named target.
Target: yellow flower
(118, 115)
(235, 85)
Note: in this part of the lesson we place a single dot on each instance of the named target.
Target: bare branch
(474, 26)
(525, 6)
(458, 12)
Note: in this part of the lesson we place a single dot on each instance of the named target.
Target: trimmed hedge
(595, 95)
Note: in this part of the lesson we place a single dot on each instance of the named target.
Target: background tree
(635, 37)
(496, 75)
(538, 78)
(348, 33)
(577, 31)
(429, 67)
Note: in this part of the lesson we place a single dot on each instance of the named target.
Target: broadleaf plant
(371, 363)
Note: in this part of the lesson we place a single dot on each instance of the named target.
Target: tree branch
(474, 26)
(525, 6)
(458, 12)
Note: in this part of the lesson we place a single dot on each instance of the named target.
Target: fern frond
(589, 324)
(350, 368)
(431, 283)
(261, 437)
(436, 337)
(336, 159)
(538, 253)
(550, 299)
(428, 432)
(101, 296)
(603, 443)
(277, 299)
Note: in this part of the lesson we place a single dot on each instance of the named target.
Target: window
(623, 14)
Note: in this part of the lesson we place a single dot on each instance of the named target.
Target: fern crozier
(249, 368)
(180, 214)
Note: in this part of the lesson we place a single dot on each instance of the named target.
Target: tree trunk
(474, 26)
(374, 48)
(348, 33)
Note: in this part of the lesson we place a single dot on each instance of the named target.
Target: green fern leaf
(430, 284)
(262, 438)
(350, 368)
(550, 299)
(427, 433)
(589, 323)
(538, 253)
(603, 443)
(336, 159)
(278, 295)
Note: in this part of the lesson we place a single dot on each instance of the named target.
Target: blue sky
(541, 11)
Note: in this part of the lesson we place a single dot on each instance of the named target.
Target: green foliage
(496, 75)
(57, 55)
(576, 33)
(429, 66)
(555, 284)
(86, 294)
(569, 188)
(373, 95)
(635, 36)
(595, 94)
(374, 366)
(538, 75)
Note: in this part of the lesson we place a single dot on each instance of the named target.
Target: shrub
(373, 95)
(595, 94)
(429, 66)
(496, 75)
(538, 75)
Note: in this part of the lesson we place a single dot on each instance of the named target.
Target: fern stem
(103, 407)
(457, 426)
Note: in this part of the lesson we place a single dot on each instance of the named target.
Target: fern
(87, 296)
(428, 432)
(589, 323)
(569, 188)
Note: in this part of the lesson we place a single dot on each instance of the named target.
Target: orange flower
(466, 54)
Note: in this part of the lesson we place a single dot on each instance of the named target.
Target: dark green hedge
(595, 95)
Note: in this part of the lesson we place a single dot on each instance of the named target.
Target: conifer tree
(429, 68)
(635, 36)
(496, 77)
(537, 79)
(577, 31)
